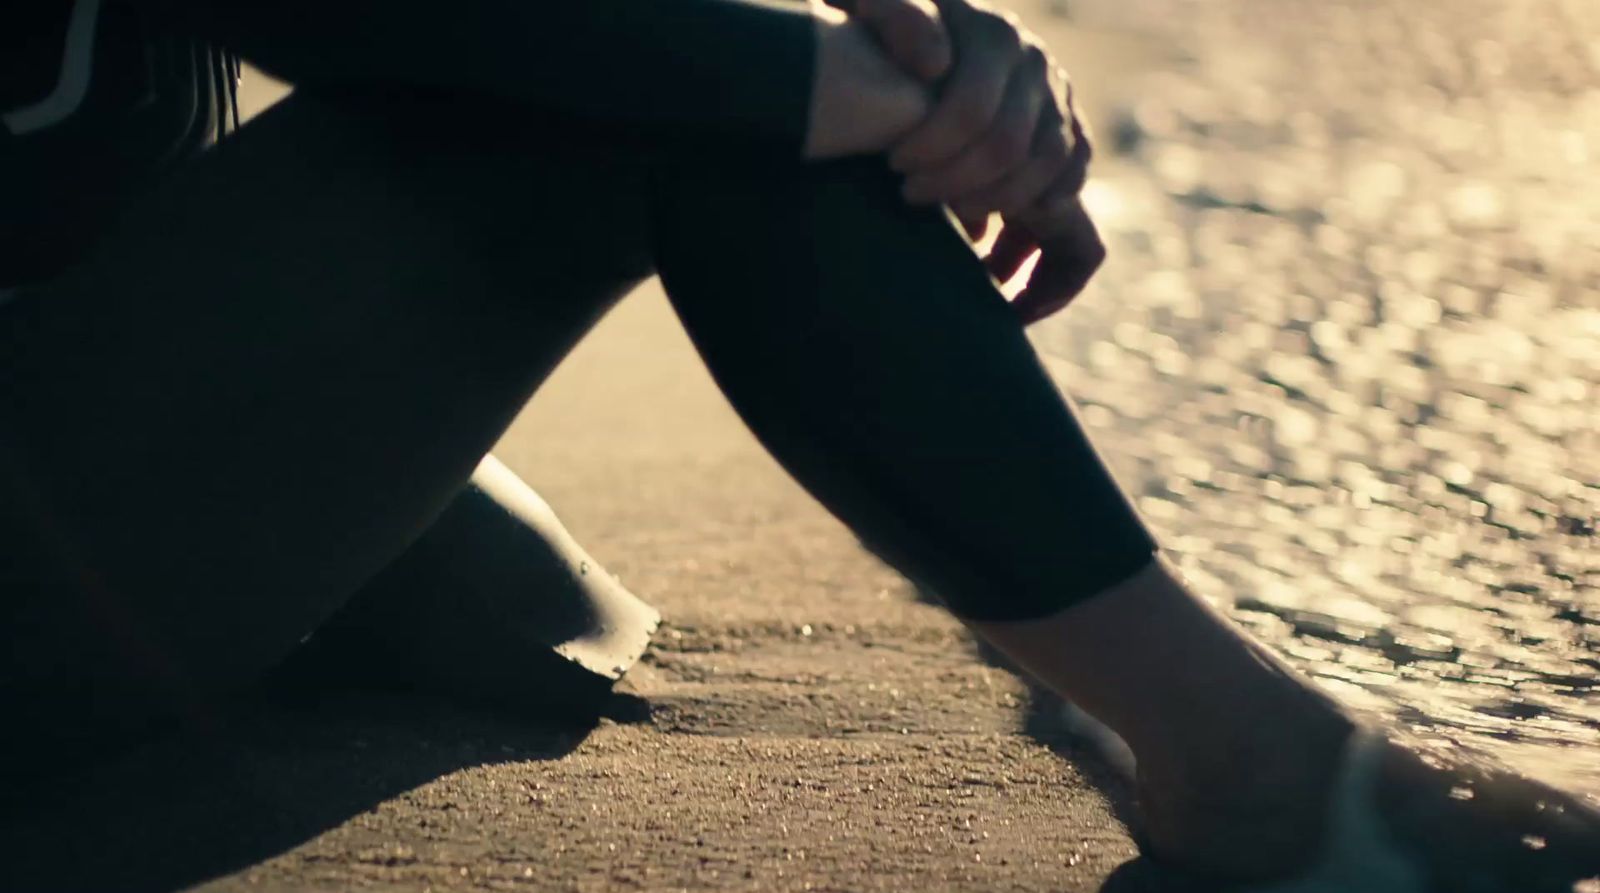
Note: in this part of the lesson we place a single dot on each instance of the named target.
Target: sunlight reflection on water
(1347, 360)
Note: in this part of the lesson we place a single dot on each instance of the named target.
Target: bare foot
(1254, 812)
(495, 603)
(1468, 828)
(1479, 828)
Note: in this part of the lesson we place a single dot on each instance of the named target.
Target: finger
(1058, 212)
(1002, 149)
(1080, 126)
(1082, 151)
(1053, 287)
(1058, 203)
(1026, 186)
(912, 34)
(976, 225)
(1011, 250)
(1069, 261)
(1082, 145)
(970, 100)
(1049, 294)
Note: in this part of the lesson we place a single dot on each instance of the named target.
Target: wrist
(861, 103)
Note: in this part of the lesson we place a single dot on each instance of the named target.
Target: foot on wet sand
(1414, 822)
(1254, 811)
(1475, 827)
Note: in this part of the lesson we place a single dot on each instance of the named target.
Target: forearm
(742, 67)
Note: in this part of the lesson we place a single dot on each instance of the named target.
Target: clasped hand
(974, 114)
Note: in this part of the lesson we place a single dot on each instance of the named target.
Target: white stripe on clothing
(77, 63)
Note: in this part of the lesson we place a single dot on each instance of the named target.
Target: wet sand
(1345, 353)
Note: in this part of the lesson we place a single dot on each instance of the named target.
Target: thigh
(276, 372)
(866, 345)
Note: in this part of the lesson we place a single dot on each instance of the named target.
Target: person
(260, 373)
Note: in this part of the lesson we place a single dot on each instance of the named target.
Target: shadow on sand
(187, 806)
(1045, 722)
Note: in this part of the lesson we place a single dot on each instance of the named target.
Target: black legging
(289, 358)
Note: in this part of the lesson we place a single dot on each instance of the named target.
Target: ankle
(1253, 807)
(1284, 745)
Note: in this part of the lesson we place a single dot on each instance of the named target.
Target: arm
(738, 67)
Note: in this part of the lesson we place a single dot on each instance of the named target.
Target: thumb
(911, 33)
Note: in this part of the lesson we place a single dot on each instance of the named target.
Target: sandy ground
(1399, 498)
(811, 725)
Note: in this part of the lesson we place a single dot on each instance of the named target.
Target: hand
(861, 101)
(911, 32)
(1070, 252)
(1003, 137)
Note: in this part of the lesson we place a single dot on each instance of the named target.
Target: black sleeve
(742, 67)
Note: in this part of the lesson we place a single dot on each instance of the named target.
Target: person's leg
(274, 377)
(876, 359)
(867, 348)
(496, 603)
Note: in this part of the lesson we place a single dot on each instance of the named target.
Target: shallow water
(1347, 353)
